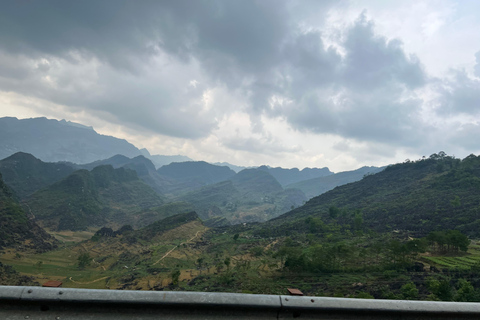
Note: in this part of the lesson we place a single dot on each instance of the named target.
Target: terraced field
(462, 261)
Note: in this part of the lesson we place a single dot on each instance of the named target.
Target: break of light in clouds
(285, 83)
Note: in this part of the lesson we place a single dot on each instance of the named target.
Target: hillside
(92, 198)
(144, 167)
(359, 240)
(317, 186)
(161, 160)
(290, 176)
(26, 174)
(438, 193)
(188, 176)
(151, 215)
(52, 141)
(10, 277)
(251, 195)
(16, 230)
(157, 229)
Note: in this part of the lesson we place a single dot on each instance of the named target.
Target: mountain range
(127, 187)
(436, 193)
(316, 186)
(52, 141)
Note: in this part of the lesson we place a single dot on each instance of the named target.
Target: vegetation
(252, 195)
(16, 230)
(26, 174)
(93, 198)
(431, 194)
(404, 233)
(83, 260)
(316, 186)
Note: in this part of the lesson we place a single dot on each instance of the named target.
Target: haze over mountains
(52, 140)
(128, 188)
(65, 141)
(207, 224)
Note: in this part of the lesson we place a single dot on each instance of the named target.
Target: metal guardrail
(61, 303)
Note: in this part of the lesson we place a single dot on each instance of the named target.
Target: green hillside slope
(294, 175)
(251, 195)
(438, 193)
(317, 186)
(16, 230)
(191, 175)
(144, 168)
(103, 196)
(26, 174)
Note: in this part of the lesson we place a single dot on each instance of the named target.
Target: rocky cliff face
(16, 229)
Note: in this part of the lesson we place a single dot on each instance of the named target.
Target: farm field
(459, 260)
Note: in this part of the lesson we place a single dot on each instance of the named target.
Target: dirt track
(166, 254)
(88, 281)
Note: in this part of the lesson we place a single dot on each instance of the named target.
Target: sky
(338, 84)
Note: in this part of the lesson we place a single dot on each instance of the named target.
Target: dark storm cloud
(363, 95)
(231, 40)
(110, 30)
(243, 33)
(372, 62)
(132, 61)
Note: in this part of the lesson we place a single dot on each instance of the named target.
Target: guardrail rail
(62, 303)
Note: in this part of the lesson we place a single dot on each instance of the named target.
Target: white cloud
(296, 83)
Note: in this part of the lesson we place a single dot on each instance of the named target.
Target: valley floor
(195, 258)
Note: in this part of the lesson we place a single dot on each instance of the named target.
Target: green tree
(83, 260)
(444, 292)
(358, 220)
(458, 240)
(333, 212)
(466, 292)
(235, 237)
(315, 225)
(455, 202)
(257, 251)
(175, 275)
(227, 262)
(364, 295)
(409, 291)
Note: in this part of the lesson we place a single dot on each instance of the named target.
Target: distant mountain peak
(74, 124)
(52, 140)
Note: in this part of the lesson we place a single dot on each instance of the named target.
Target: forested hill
(26, 174)
(289, 176)
(196, 172)
(251, 195)
(16, 230)
(437, 193)
(93, 198)
(317, 186)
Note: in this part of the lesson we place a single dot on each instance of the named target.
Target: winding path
(88, 281)
(166, 254)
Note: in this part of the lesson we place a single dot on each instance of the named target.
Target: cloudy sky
(286, 83)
